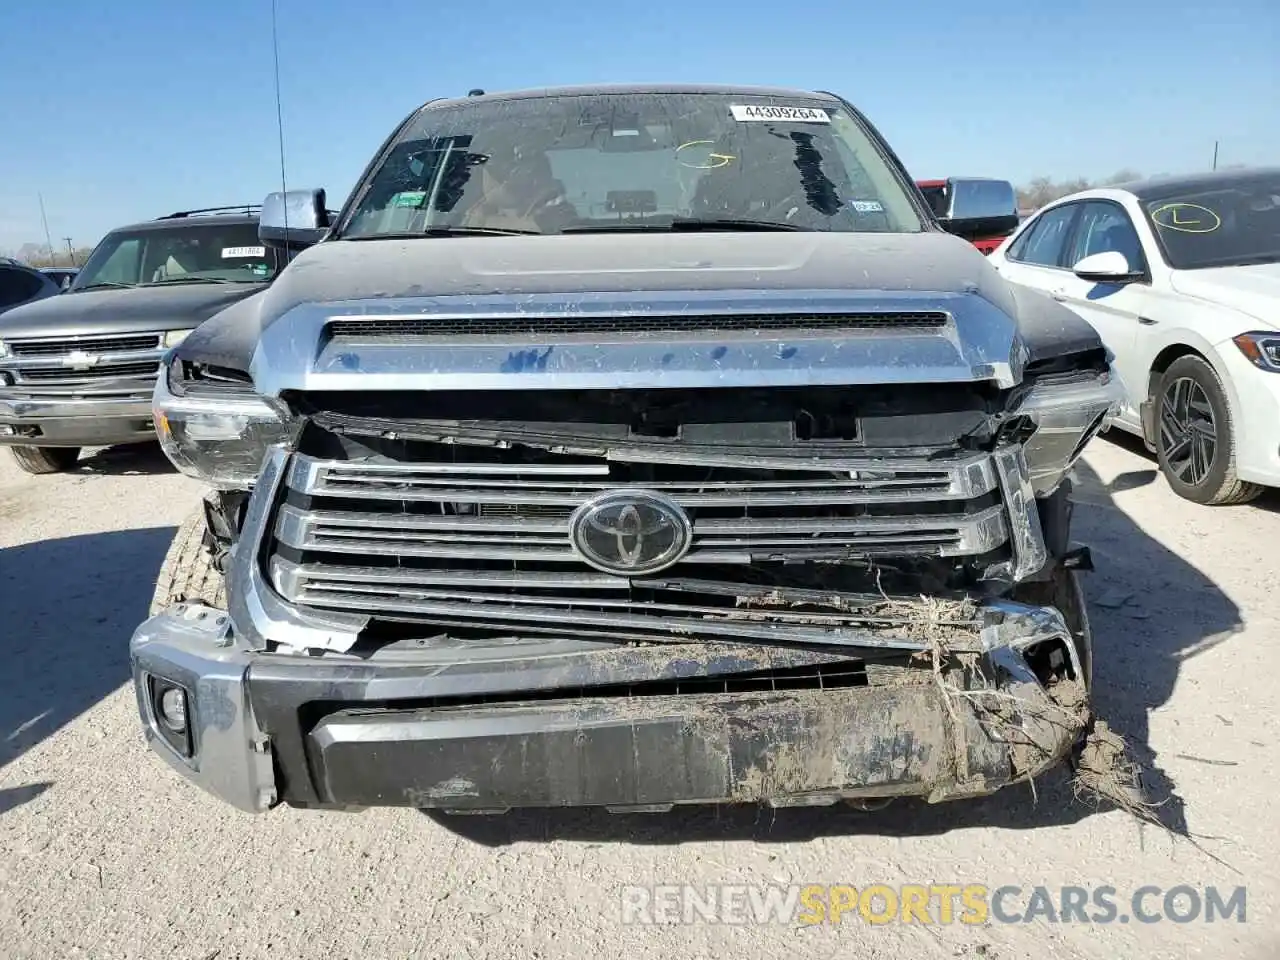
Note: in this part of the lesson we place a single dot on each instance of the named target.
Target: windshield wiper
(157, 283)
(447, 232)
(101, 285)
(680, 224)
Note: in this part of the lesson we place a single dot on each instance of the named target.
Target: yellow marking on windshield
(714, 161)
(1186, 218)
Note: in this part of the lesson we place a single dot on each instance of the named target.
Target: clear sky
(120, 110)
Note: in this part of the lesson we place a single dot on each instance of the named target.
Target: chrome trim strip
(1029, 551)
(287, 575)
(106, 361)
(553, 616)
(887, 481)
(980, 343)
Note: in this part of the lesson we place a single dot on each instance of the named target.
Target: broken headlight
(217, 430)
(1058, 415)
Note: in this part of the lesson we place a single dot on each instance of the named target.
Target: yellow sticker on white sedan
(1186, 218)
(785, 114)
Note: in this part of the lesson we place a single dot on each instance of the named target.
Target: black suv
(78, 370)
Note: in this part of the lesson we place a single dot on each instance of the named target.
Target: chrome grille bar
(872, 481)
(714, 541)
(526, 614)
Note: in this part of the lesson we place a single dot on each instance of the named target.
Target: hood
(1253, 289)
(125, 310)
(994, 333)
(623, 263)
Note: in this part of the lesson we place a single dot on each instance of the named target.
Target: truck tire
(1196, 438)
(188, 574)
(46, 459)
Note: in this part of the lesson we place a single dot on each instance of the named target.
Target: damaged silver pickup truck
(625, 447)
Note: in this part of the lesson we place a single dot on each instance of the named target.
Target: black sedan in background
(21, 284)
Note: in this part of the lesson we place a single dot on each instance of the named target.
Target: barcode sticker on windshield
(866, 206)
(230, 253)
(792, 114)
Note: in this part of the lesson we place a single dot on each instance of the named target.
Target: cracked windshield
(613, 163)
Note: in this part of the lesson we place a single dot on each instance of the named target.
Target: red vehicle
(952, 199)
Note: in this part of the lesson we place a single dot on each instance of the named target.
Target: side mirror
(1110, 266)
(293, 220)
(974, 207)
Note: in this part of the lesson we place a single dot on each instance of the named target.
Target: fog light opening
(171, 711)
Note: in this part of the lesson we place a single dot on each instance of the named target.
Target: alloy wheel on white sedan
(1195, 437)
(1188, 432)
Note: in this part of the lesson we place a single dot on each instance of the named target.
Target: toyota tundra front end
(625, 447)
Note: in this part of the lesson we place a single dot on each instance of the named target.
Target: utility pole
(71, 252)
(1215, 154)
(53, 256)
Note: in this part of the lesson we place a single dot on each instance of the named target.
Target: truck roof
(248, 214)
(590, 90)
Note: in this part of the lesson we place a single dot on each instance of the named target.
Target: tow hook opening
(19, 430)
(1050, 662)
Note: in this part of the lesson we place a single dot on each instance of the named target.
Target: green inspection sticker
(409, 198)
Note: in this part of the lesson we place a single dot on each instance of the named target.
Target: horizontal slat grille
(102, 371)
(487, 546)
(580, 324)
(56, 346)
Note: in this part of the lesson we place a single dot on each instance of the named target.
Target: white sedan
(1181, 278)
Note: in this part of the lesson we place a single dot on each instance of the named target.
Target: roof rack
(248, 209)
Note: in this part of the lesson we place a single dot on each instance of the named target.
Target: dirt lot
(105, 853)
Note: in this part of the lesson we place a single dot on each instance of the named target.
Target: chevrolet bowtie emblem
(79, 360)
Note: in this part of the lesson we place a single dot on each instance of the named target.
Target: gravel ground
(106, 853)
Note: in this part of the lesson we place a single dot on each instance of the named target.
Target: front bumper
(581, 723)
(76, 422)
(1256, 417)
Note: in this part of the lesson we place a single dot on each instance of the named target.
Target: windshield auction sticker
(233, 253)
(791, 114)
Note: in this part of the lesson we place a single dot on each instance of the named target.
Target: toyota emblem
(630, 532)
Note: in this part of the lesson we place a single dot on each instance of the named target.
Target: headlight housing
(4, 349)
(1063, 413)
(174, 337)
(1261, 347)
(220, 432)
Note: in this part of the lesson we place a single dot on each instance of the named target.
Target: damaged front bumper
(539, 723)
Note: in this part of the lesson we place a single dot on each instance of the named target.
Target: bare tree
(1036, 193)
(39, 255)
